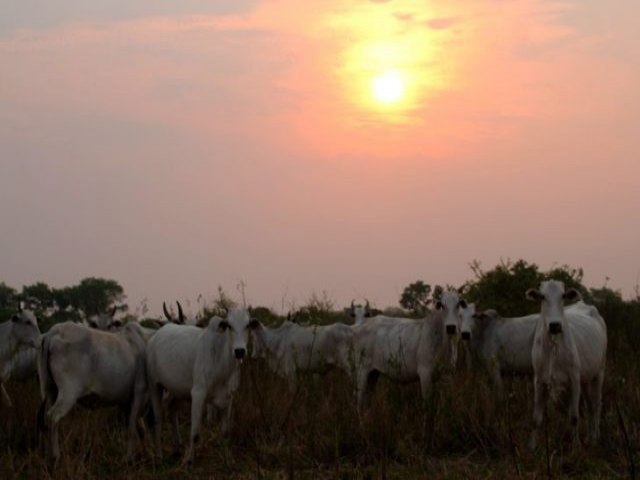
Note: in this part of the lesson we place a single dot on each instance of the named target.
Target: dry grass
(462, 431)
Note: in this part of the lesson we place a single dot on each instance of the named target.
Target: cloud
(42, 14)
(441, 23)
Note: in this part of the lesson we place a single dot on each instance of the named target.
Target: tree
(95, 295)
(503, 288)
(7, 296)
(415, 297)
(40, 293)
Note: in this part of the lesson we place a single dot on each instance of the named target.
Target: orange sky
(179, 147)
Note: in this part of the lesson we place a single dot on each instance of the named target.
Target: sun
(388, 87)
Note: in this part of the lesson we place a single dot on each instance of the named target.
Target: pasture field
(462, 431)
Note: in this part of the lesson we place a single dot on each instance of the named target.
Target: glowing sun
(388, 87)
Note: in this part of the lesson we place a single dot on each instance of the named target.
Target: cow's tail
(48, 387)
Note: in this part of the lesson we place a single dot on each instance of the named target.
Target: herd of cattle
(103, 362)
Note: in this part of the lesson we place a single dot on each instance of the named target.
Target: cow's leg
(496, 377)
(4, 397)
(596, 400)
(424, 373)
(223, 400)
(136, 406)
(172, 409)
(574, 406)
(155, 392)
(198, 398)
(540, 393)
(65, 401)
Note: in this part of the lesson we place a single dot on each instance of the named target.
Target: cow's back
(171, 356)
(589, 333)
(389, 345)
(510, 343)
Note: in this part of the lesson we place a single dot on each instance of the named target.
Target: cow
(18, 336)
(500, 345)
(568, 355)
(180, 320)
(292, 348)
(77, 363)
(105, 321)
(406, 350)
(359, 313)
(197, 363)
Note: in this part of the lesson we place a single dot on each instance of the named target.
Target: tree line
(501, 288)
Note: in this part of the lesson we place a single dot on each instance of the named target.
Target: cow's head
(170, 318)
(24, 328)
(359, 312)
(467, 321)
(449, 304)
(473, 321)
(552, 296)
(105, 321)
(236, 327)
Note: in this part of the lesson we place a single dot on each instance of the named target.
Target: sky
(181, 146)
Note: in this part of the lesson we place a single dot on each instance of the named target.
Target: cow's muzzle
(451, 329)
(466, 336)
(555, 328)
(239, 353)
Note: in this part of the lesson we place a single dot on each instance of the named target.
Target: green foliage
(265, 315)
(96, 295)
(8, 296)
(503, 287)
(415, 297)
(40, 293)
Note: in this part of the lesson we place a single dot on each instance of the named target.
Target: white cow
(360, 313)
(569, 355)
(407, 350)
(105, 321)
(197, 363)
(180, 319)
(293, 348)
(501, 345)
(18, 336)
(77, 363)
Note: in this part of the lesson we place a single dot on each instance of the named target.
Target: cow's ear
(571, 295)
(255, 324)
(534, 295)
(223, 326)
(439, 305)
(462, 304)
(116, 323)
(352, 314)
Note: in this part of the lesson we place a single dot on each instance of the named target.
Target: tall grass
(462, 431)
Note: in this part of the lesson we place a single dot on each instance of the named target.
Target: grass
(462, 431)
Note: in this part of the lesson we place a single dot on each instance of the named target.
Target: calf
(197, 363)
(501, 345)
(568, 354)
(406, 350)
(19, 337)
(292, 348)
(79, 363)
